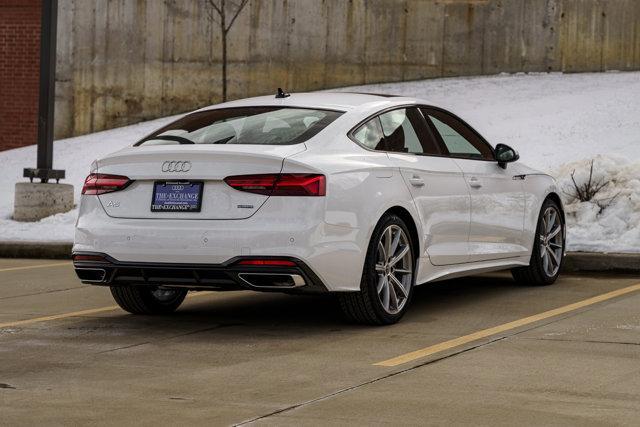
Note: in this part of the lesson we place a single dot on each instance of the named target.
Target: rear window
(250, 125)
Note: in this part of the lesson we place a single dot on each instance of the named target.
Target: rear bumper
(284, 228)
(225, 276)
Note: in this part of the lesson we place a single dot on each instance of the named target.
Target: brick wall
(19, 72)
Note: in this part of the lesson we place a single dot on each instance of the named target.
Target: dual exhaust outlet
(254, 280)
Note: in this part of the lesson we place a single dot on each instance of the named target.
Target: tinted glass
(405, 131)
(370, 135)
(456, 144)
(458, 138)
(254, 125)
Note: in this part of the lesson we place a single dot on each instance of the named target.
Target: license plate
(177, 197)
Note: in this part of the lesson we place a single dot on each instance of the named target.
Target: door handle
(474, 182)
(416, 181)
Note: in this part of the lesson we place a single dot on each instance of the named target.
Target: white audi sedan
(361, 195)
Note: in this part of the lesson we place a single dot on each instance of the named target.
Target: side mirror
(505, 154)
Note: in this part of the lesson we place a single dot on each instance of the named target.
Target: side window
(458, 138)
(370, 135)
(406, 131)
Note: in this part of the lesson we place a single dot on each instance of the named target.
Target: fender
(537, 188)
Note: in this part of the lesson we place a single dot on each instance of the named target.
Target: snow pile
(550, 119)
(74, 155)
(553, 120)
(610, 222)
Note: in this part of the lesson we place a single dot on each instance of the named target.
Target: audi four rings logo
(176, 166)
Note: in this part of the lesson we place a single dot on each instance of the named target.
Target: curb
(574, 262)
(47, 250)
(604, 262)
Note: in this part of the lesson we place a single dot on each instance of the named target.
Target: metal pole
(47, 83)
(46, 105)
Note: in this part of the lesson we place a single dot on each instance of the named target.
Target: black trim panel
(224, 276)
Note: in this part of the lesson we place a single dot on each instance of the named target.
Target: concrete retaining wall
(123, 61)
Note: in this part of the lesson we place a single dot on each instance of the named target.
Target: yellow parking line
(28, 267)
(57, 316)
(76, 313)
(447, 345)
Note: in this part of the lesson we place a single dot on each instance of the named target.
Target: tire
(368, 305)
(541, 272)
(148, 300)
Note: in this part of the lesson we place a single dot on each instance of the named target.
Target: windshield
(249, 125)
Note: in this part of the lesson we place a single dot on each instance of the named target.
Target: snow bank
(610, 222)
(551, 119)
(75, 156)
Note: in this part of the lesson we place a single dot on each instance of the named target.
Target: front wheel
(148, 300)
(387, 279)
(548, 248)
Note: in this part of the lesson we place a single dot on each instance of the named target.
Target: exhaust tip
(272, 281)
(93, 275)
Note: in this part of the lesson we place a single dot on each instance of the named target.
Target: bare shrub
(589, 189)
(586, 191)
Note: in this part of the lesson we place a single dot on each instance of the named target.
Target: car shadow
(318, 313)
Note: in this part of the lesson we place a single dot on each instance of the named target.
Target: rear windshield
(249, 125)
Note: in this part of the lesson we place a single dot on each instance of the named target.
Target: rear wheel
(548, 248)
(387, 279)
(146, 300)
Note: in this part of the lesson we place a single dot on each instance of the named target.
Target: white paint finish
(342, 102)
(322, 246)
(442, 199)
(497, 210)
(445, 272)
(210, 164)
(361, 184)
(465, 229)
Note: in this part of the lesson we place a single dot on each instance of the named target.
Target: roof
(343, 101)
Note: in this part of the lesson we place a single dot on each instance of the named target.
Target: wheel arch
(406, 216)
(533, 273)
(538, 188)
(556, 198)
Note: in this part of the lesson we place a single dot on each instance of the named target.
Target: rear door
(497, 197)
(435, 182)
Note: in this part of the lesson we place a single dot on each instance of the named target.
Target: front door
(497, 211)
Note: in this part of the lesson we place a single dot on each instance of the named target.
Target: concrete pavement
(229, 358)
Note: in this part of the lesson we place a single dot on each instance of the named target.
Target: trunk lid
(209, 164)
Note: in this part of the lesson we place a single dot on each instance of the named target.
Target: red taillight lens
(259, 184)
(268, 262)
(280, 184)
(300, 185)
(99, 183)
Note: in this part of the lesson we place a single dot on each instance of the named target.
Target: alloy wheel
(394, 268)
(551, 241)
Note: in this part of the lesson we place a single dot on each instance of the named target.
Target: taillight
(280, 184)
(268, 262)
(99, 183)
